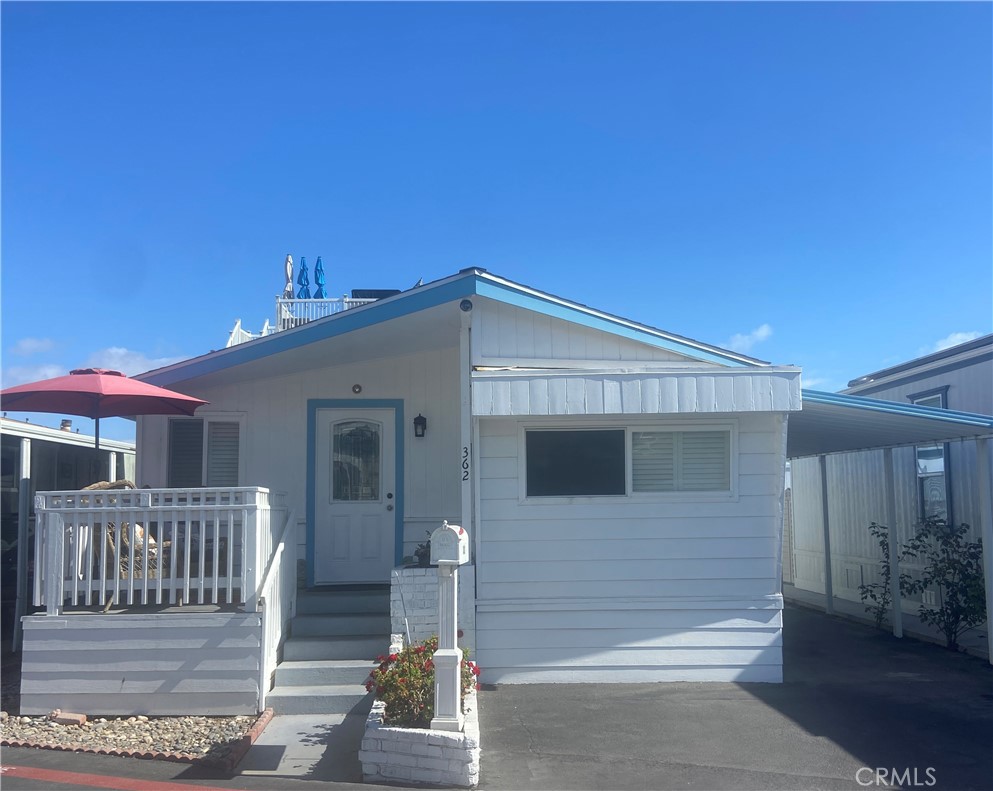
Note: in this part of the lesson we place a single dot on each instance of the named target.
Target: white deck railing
(294, 312)
(155, 546)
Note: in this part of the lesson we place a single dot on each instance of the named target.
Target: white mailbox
(449, 545)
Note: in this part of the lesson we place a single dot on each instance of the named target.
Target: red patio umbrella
(97, 393)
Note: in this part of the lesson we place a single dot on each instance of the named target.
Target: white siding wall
(624, 590)
(275, 433)
(711, 390)
(505, 332)
(156, 664)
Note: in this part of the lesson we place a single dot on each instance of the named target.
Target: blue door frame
(313, 405)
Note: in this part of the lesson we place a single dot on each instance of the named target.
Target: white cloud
(128, 362)
(742, 343)
(22, 374)
(28, 346)
(948, 341)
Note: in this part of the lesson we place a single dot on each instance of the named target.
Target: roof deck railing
(292, 313)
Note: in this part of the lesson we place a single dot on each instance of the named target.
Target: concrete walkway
(972, 642)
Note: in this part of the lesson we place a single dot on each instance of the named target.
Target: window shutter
(185, 454)
(222, 453)
(653, 467)
(705, 461)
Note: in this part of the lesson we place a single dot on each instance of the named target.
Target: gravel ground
(208, 739)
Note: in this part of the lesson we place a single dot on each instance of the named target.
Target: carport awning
(834, 423)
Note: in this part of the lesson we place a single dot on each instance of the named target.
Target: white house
(622, 485)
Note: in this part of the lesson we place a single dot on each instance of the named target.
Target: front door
(355, 513)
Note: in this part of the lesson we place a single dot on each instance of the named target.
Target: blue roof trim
(465, 284)
(511, 295)
(897, 408)
(341, 323)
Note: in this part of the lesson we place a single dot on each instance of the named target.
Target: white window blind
(222, 453)
(680, 461)
(200, 456)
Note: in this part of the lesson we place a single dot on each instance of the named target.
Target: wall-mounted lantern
(420, 425)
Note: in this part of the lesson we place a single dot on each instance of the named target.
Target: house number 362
(465, 463)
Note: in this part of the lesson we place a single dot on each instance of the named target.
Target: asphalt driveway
(854, 700)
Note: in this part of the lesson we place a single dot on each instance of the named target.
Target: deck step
(368, 647)
(316, 672)
(320, 699)
(333, 625)
(328, 602)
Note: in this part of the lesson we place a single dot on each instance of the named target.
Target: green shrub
(879, 592)
(954, 567)
(405, 683)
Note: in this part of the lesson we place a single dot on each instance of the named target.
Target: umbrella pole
(97, 433)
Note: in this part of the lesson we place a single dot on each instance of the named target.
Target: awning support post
(828, 584)
(986, 530)
(889, 485)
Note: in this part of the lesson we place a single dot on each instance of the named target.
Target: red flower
(393, 657)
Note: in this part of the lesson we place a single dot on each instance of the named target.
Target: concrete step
(332, 625)
(301, 649)
(320, 699)
(335, 601)
(316, 672)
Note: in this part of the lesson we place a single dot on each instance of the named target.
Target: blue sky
(808, 183)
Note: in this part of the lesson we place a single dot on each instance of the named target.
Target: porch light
(420, 425)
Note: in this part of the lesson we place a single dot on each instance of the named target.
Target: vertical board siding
(630, 589)
(275, 425)
(855, 500)
(503, 331)
(855, 486)
(162, 664)
(597, 393)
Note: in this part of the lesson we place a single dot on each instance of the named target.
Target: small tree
(879, 592)
(954, 566)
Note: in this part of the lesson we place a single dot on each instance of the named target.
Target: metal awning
(834, 423)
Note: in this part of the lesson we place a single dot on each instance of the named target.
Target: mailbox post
(449, 550)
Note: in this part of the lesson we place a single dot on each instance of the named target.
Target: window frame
(941, 393)
(207, 418)
(729, 495)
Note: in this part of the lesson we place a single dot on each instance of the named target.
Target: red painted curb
(225, 764)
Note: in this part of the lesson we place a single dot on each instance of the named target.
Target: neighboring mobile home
(932, 479)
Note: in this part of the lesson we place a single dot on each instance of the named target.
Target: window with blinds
(222, 453)
(203, 453)
(680, 461)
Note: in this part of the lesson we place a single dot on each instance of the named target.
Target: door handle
(389, 507)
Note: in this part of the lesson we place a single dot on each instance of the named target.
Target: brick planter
(419, 588)
(421, 755)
